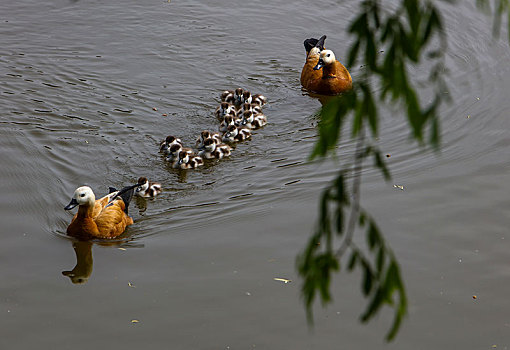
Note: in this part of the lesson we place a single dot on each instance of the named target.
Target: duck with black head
(104, 218)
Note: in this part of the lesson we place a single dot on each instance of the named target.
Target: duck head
(82, 196)
(327, 57)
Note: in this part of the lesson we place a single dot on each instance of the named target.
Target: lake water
(79, 84)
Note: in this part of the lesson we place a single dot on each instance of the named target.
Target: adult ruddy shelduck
(313, 49)
(335, 78)
(104, 218)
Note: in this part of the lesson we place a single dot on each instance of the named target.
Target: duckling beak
(73, 203)
(319, 65)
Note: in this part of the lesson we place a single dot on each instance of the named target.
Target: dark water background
(79, 81)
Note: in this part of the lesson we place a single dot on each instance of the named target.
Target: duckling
(164, 145)
(187, 161)
(175, 149)
(238, 96)
(247, 119)
(214, 151)
(224, 109)
(313, 49)
(257, 99)
(227, 96)
(104, 218)
(259, 120)
(204, 135)
(236, 134)
(253, 107)
(147, 189)
(335, 78)
(227, 121)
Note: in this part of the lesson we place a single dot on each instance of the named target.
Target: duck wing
(112, 220)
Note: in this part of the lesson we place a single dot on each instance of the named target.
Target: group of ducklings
(238, 114)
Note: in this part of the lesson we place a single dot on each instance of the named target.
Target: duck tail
(127, 194)
(310, 44)
(320, 42)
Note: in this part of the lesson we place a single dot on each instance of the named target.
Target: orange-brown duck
(104, 218)
(335, 78)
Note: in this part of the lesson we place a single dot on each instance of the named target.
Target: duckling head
(209, 145)
(183, 157)
(247, 117)
(143, 184)
(82, 196)
(327, 57)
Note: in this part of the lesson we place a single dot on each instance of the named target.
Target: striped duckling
(104, 218)
(165, 145)
(227, 96)
(174, 151)
(253, 107)
(147, 189)
(212, 150)
(257, 99)
(236, 134)
(206, 134)
(253, 121)
(187, 161)
(227, 121)
(224, 109)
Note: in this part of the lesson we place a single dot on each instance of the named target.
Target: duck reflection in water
(81, 272)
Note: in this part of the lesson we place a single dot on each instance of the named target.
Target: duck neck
(328, 71)
(85, 211)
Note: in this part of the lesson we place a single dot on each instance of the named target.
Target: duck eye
(82, 195)
(327, 55)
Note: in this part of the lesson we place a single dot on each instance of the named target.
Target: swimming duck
(164, 145)
(187, 161)
(206, 134)
(147, 189)
(335, 78)
(224, 109)
(214, 151)
(236, 134)
(103, 218)
(313, 49)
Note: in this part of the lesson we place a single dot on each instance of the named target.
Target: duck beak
(73, 203)
(319, 65)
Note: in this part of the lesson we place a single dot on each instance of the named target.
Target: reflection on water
(84, 262)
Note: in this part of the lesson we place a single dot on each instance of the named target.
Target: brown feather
(100, 221)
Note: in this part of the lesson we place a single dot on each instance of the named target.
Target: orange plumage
(313, 49)
(327, 77)
(103, 218)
